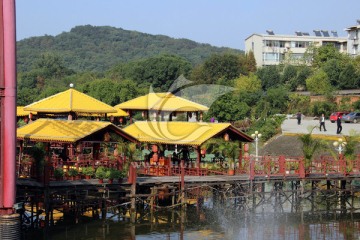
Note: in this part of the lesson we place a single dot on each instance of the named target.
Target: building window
(271, 57)
(282, 44)
(300, 44)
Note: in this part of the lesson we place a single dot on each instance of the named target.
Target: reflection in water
(217, 217)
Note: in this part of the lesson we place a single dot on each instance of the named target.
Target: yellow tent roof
(162, 102)
(70, 101)
(119, 113)
(182, 133)
(48, 130)
(20, 112)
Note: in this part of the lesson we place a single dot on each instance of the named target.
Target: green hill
(91, 48)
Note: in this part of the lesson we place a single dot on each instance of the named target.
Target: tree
(218, 66)
(250, 62)
(159, 71)
(229, 108)
(333, 69)
(278, 99)
(104, 90)
(288, 77)
(310, 146)
(298, 103)
(249, 84)
(325, 53)
(301, 77)
(348, 78)
(319, 83)
(269, 76)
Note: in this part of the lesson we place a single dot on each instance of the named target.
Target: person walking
(339, 127)
(298, 116)
(322, 122)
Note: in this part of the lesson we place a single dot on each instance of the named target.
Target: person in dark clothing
(184, 154)
(298, 117)
(322, 122)
(339, 127)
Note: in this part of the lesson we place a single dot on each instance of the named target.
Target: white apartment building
(273, 49)
(353, 39)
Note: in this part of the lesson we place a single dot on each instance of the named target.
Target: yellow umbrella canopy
(51, 130)
(162, 102)
(70, 101)
(183, 133)
(21, 113)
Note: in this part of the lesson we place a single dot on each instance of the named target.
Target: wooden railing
(265, 167)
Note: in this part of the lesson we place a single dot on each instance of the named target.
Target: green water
(222, 220)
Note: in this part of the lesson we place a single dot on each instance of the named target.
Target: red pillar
(8, 106)
(198, 159)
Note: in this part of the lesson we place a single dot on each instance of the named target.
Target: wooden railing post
(302, 168)
(282, 164)
(252, 169)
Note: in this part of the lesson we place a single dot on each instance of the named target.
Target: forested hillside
(90, 48)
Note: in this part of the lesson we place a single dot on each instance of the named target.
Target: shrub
(58, 172)
(88, 171)
(113, 173)
(100, 172)
(73, 172)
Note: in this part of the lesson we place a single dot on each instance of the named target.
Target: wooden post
(133, 194)
(198, 159)
(182, 169)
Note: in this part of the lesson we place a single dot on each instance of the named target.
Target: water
(219, 217)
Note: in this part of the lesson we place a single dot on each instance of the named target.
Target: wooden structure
(71, 143)
(161, 104)
(188, 134)
(69, 104)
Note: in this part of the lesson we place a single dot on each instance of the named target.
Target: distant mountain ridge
(97, 48)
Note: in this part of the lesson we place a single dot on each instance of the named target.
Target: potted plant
(100, 173)
(88, 172)
(58, 174)
(73, 172)
(112, 174)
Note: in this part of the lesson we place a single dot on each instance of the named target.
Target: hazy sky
(217, 22)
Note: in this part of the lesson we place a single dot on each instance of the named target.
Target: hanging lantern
(121, 120)
(30, 116)
(69, 117)
(203, 152)
(226, 137)
(111, 118)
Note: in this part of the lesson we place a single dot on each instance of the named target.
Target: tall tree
(319, 83)
(270, 76)
(219, 66)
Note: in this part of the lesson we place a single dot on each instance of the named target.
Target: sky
(222, 23)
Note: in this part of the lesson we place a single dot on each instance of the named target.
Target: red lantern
(203, 151)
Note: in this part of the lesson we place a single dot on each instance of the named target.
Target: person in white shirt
(322, 122)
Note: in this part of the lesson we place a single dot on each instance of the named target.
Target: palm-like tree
(228, 149)
(310, 146)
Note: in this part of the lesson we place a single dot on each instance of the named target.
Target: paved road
(291, 126)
